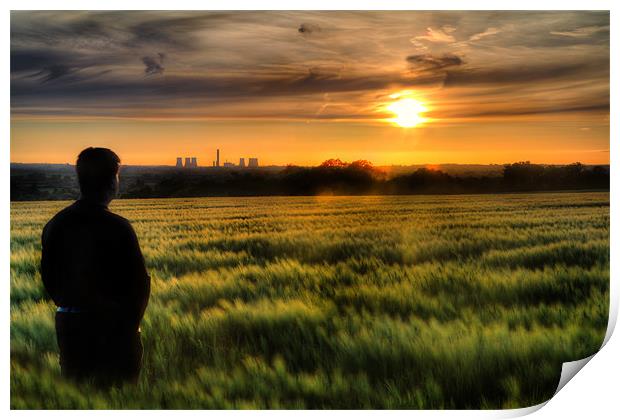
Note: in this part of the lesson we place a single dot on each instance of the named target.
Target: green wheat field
(339, 302)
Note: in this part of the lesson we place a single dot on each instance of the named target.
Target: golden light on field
(407, 112)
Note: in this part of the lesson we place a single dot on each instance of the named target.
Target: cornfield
(417, 302)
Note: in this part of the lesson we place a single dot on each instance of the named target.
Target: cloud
(240, 89)
(230, 64)
(86, 27)
(419, 45)
(533, 109)
(432, 62)
(169, 30)
(154, 65)
(581, 32)
(441, 35)
(28, 60)
(308, 28)
(528, 73)
(325, 104)
(487, 32)
(53, 72)
(44, 65)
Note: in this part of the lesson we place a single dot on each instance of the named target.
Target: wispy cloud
(581, 32)
(431, 62)
(308, 28)
(441, 35)
(487, 32)
(52, 72)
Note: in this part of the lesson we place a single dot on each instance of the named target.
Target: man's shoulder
(74, 213)
(61, 217)
(117, 220)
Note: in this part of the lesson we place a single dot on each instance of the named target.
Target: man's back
(92, 267)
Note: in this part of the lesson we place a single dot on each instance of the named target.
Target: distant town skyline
(398, 88)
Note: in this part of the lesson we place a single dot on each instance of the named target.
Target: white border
(592, 394)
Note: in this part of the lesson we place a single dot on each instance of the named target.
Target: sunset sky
(301, 87)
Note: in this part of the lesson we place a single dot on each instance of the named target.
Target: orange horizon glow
(309, 144)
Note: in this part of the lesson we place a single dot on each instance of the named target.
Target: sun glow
(407, 112)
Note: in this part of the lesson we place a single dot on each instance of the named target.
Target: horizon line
(300, 165)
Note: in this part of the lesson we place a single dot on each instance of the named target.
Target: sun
(407, 112)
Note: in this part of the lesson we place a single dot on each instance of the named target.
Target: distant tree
(598, 177)
(362, 164)
(290, 168)
(578, 166)
(524, 175)
(333, 163)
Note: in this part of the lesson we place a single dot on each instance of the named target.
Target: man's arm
(47, 269)
(138, 286)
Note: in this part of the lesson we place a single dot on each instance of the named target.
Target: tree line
(361, 177)
(333, 177)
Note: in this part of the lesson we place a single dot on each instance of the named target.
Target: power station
(192, 162)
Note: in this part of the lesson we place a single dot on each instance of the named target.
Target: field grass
(339, 302)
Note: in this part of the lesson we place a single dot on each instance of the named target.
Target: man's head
(97, 171)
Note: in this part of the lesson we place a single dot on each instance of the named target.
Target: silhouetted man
(92, 267)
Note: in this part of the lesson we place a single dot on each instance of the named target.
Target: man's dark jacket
(92, 267)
